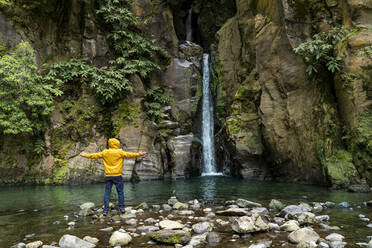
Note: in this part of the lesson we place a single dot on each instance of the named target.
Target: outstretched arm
(133, 154)
(92, 155)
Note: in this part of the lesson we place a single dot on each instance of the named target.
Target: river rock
(180, 205)
(156, 207)
(19, 245)
(293, 209)
(70, 241)
(369, 244)
(259, 211)
(305, 218)
(322, 218)
(170, 224)
(91, 239)
(120, 238)
(107, 229)
(150, 221)
(247, 204)
(335, 237)
(166, 207)
(86, 212)
(49, 246)
(303, 235)
(87, 205)
(248, 224)
(276, 205)
(317, 207)
(186, 212)
(261, 245)
(344, 205)
(233, 212)
(213, 237)
(290, 226)
(323, 245)
(202, 227)
(171, 237)
(131, 222)
(307, 245)
(148, 229)
(142, 206)
(35, 244)
(329, 204)
(274, 227)
(198, 239)
(337, 244)
(173, 200)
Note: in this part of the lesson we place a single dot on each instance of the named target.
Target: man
(113, 159)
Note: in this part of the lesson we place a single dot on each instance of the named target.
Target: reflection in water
(208, 188)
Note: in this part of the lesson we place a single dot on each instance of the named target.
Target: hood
(114, 143)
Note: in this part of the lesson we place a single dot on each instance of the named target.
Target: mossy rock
(341, 170)
(171, 237)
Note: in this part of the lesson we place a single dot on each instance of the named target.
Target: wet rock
(276, 205)
(156, 207)
(142, 206)
(202, 227)
(120, 238)
(247, 204)
(179, 205)
(28, 236)
(359, 188)
(317, 207)
(169, 224)
(323, 245)
(307, 245)
(303, 235)
(369, 225)
(322, 218)
(186, 212)
(71, 223)
(87, 205)
(49, 246)
(35, 244)
(107, 229)
(19, 245)
(150, 221)
(290, 226)
(305, 218)
(329, 204)
(127, 216)
(171, 237)
(222, 222)
(274, 227)
(369, 244)
(207, 210)
(260, 211)
(86, 212)
(335, 237)
(131, 222)
(213, 237)
(261, 245)
(166, 207)
(233, 212)
(69, 241)
(293, 209)
(365, 219)
(198, 239)
(248, 224)
(91, 240)
(344, 205)
(279, 220)
(147, 229)
(337, 244)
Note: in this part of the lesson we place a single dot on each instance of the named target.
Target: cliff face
(273, 120)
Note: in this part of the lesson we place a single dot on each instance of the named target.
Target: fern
(154, 101)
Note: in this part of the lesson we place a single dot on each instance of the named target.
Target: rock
(19, 245)
(69, 241)
(147, 229)
(169, 224)
(274, 227)
(335, 237)
(86, 212)
(369, 244)
(261, 245)
(290, 226)
(35, 244)
(317, 207)
(179, 205)
(359, 188)
(49, 246)
(127, 216)
(107, 229)
(131, 222)
(171, 237)
(142, 206)
(323, 245)
(305, 218)
(91, 240)
(198, 240)
(259, 211)
(329, 204)
(293, 209)
(87, 205)
(202, 227)
(331, 3)
(279, 220)
(303, 235)
(337, 244)
(186, 212)
(156, 207)
(344, 205)
(248, 224)
(232, 212)
(247, 204)
(150, 221)
(166, 207)
(120, 238)
(276, 205)
(71, 223)
(213, 237)
(307, 245)
(322, 218)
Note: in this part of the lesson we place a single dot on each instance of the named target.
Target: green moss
(234, 125)
(340, 169)
(125, 114)
(60, 174)
(198, 96)
(176, 239)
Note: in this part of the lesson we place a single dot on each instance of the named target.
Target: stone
(344, 205)
(131, 222)
(331, 3)
(19, 245)
(87, 205)
(290, 226)
(213, 237)
(186, 212)
(248, 224)
(156, 207)
(86, 212)
(107, 229)
(120, 238)
(70, 241)
(91, 240)
(329, 204)
(337, 244)
(293, 209)
(307, 245)
(317, 207)
(35, 244)
(335, 237)
(233, 212)
(166, 207)
(259, 211)
(369, 244)
(322, 218)
(359, 188)
(247, 204)
(179, 205)
(274, 227)
(305, 218)
(171, 237)
(303, 235)
(323, 245)
(259, 245)
(169, 224)
(197, 240)
(142, 206)
(279, 220)
(150, 221)
(202, 227)
(147, 229)
(276, 205)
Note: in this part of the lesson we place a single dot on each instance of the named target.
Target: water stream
(188, 26)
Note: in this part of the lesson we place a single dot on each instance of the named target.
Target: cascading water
(189, 25)
(209, 168)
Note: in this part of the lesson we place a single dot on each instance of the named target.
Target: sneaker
(122, 211)
(104, 214)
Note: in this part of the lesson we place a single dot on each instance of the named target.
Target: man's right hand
(82, 154)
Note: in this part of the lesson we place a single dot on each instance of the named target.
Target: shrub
(154, 101)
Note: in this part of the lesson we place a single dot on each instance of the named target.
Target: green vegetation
(25, 98)
(365, 52)
(319, 53)
(154, 101)
(124, 113)
(340, 168)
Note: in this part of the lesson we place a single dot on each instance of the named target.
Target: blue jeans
(118, 181)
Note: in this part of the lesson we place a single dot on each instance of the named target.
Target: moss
(125, 114)
(176, 239)
(198, 96)
(234, 125)
(340, 168)
(60, 174)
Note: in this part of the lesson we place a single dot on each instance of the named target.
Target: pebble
(71, 223)
(107, 229)
(369, 225)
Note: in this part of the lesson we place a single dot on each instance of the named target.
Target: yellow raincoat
(113, 158)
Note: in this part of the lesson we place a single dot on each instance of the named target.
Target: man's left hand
(143, 153)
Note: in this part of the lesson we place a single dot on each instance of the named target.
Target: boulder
(87, 205)
(276, 205)
(120, 238)
(213, 237)
(35, 244)
(248, 224)
(335, 237)
(198, 239)
(180, 205)
(173, 200)
(202, 227)
(171, 237)
(233, 212)
(70, 241)
(293, 209)
(170, 224)
(166, 207)
(322, 218)
(305, 218)
(142, 206)
(290, 226)
(303, 235)
(247, 204)
(259, 211)
(91, 240)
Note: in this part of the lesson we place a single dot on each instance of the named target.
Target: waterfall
(189, 25)
(209, 168)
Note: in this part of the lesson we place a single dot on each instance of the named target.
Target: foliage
(365, 52)
(319, 52)
(24, 97)
(154, 101)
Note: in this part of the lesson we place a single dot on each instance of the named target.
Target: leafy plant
(319, 52)
(154, 101)
(24, 97)
(365, 51)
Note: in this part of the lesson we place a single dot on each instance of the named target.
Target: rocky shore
(237, 223)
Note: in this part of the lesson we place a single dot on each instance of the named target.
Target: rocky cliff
(273, 119)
